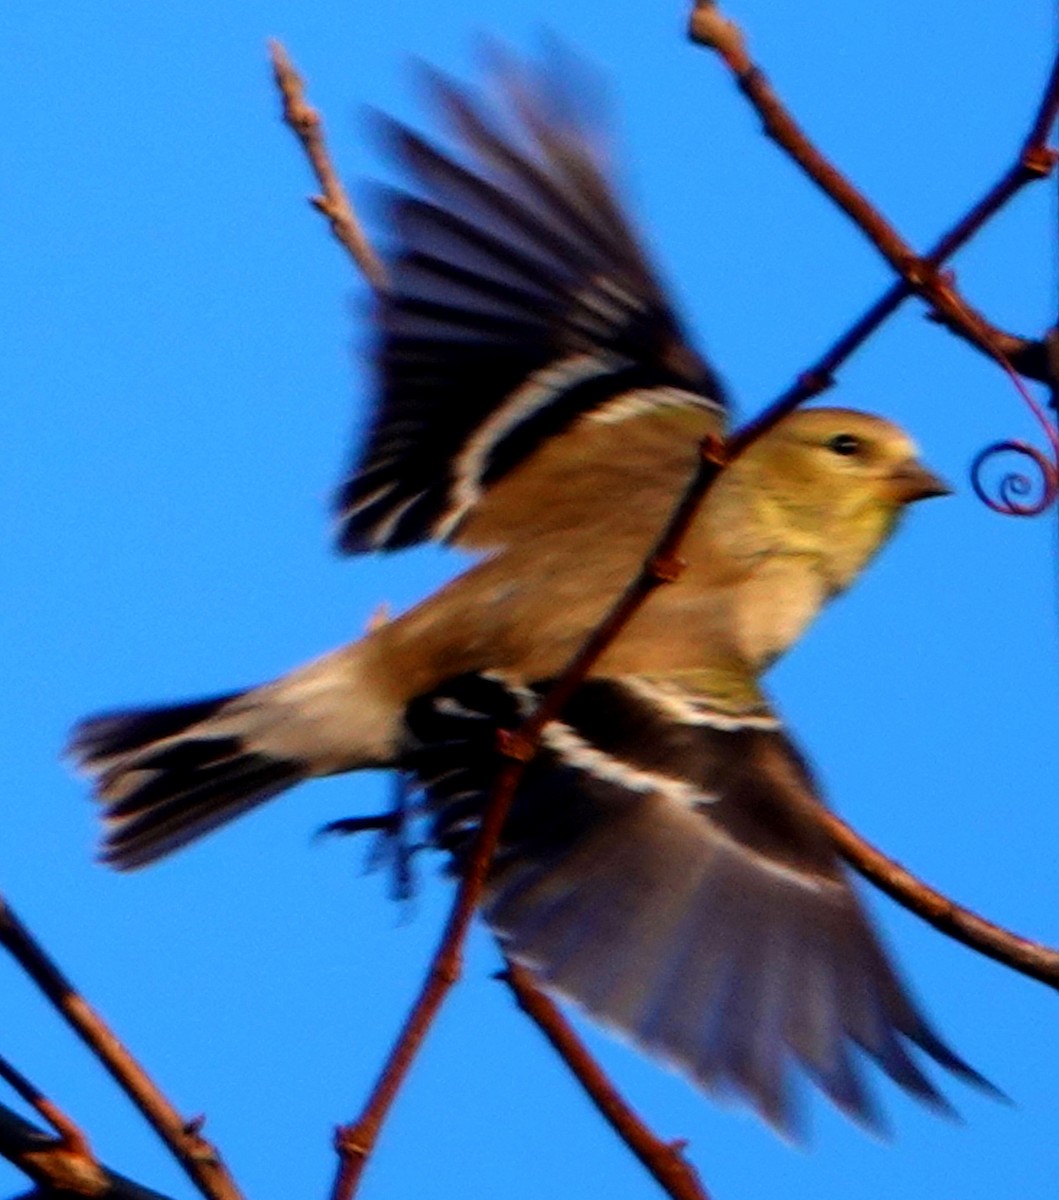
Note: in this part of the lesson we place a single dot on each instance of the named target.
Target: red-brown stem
(919, 274)
(1033, 161)
(355, 1141)
(819, 377)
(200, 1160)
(56, 1170)
(332, 202)
(961, 924)
(72, 1136)
(664, 1160)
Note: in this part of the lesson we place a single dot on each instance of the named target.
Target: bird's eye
(845, 444)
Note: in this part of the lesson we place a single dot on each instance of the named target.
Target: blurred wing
(662, 868)
(521, 309)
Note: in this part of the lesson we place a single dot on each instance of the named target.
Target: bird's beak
(911, 480)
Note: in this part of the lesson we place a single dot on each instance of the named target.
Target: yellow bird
(538, 403)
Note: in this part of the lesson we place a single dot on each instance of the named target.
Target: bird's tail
(165, 776)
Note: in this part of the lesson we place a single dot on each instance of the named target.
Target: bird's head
(833, 481)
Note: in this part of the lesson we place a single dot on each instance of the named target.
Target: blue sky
(179, 392)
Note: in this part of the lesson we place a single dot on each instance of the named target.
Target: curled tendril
(1015, 486)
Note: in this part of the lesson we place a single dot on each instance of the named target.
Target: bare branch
(69, 1133)
(961, 924)
(920, 274)
(332, 202)
(49, 1164)
(664, 1160)
(820, 375)
(1035, 359)
(1027, 356)
(64, 1161)
(199, 1159)
(1034, 160)
(709, 28)
(354, 1142)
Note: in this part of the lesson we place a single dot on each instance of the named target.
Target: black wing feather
(515, 279)
(662, 867)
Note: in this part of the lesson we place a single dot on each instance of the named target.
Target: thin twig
(1027, 356)
(961, 924)
(708, 27)
(919, 274)
(664, 1160)
(57, 1172)
(332, 202)
(199, 1159)
(820, 376)
(71, 1135)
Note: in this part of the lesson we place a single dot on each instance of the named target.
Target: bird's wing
(662, 868)
(521, 309)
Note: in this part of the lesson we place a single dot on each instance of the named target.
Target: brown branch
(1033, 161)
(919, 274)
(48, 1163)
(820, 376)
(709, 28)
(65, 1161)
(664, 1160)
(1027, 356)
(332, 201)
(65, 1164)
(69, 1132)
(961, 924)
(355, 1141)
(199, 1159)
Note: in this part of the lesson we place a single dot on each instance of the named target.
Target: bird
(539, 405)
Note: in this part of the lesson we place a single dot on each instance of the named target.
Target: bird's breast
(774, 604)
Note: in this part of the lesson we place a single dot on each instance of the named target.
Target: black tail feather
(166, 776)
(169, 814)
(109, 734)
